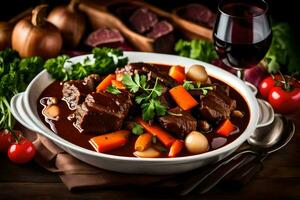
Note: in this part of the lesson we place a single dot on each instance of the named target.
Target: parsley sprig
(189, 85)
(105, 60)
(148, 96)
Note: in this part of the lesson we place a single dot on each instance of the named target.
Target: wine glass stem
(241, 74)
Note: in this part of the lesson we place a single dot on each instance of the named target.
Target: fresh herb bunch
(189, 85)
(283, 51)
(197, 49)
(148, 96)
(105, 60)
(15, 75)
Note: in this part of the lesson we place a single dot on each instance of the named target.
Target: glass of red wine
(242, 33)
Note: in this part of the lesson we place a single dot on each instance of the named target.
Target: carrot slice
(176, 148)
(106, 82)
(177, 73)
(226, 128)
(118, 84)
(143, 142)
(182, 97)
(156, 130)
(110, 141)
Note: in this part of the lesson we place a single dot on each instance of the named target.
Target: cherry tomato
(22, 151)
(265, 86)
(284, 101)
(6, 139)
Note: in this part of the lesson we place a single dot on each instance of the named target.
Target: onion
(196, 143)
(197, 73)
(6, 29)
(34, 36)
(255, 75)
(70, 22)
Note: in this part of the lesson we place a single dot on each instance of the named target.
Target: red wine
(242, 55)
(242, 34)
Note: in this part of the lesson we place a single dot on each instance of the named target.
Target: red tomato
(283, 95)
(21, 152)
(284, 101)
(6, 139)
(265, 86)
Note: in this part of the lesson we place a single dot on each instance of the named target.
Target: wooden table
(280, 179)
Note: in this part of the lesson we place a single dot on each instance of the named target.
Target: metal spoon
(264, 141)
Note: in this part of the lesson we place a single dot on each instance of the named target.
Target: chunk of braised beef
(178, 122)
(75, 91)
(216, 105)
(150, 71)
(166, 100)
(102, 112)
(92, 81)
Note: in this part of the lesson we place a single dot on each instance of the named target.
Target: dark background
(281, 10)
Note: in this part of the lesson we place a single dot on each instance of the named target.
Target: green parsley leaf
(159, 108)
(139, 99)
(148, 110)
(188, 85)
(105, 61)
(130, 84)
(137, 129)
(148, 96)
(143, 81)
(152, 108)
(154, 139)
(112, 89)
(196, 49)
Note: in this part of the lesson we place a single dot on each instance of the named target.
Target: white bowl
(24, 109)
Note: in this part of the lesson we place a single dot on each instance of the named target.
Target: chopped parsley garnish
(154, 139)
(112, 89)
(137, 129)
(148, 95)
(189, 85)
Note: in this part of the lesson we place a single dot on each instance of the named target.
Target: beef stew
(95, 114)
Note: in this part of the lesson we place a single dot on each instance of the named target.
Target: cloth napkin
(77, 175)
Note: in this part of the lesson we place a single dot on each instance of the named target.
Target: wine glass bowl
(242, 33)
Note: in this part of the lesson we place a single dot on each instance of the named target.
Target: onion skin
(36, 37)
(70, 22)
